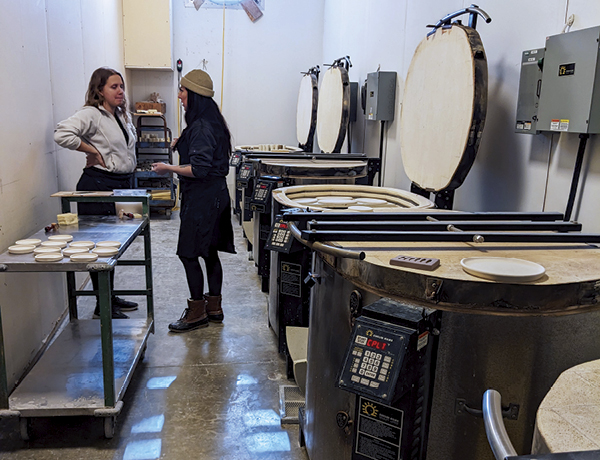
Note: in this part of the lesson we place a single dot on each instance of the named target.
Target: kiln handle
(332, 250)
(473, 11)
(494, 426)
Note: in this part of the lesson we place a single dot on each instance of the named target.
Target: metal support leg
(148, 264)
(71, 297)
(3, 376)
(108, 367)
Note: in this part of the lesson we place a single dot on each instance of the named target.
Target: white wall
(511, 169)
(48, 55)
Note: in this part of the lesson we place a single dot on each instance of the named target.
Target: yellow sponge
(67, 219)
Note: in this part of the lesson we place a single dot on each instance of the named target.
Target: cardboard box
(160, 106)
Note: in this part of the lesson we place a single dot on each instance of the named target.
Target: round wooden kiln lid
(333, 112)
(306, 113)
(443, 112)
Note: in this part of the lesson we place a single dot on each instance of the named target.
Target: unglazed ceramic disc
(82, 244)
(373, 202)
(68, 252)
(110, 244)
(54, 244)
(53, 257)
(105, 252)
(504, 269)
(306, 200)
(21, 249)
(67, 238)
(335, 202)
(44, 250)
(360, 208)
(29, 242)
(85, 257)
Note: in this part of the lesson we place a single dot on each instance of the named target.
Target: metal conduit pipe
(332, 250)
(494, 426)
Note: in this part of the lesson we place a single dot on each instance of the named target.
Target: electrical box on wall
(570, 95)
(530, 88)
(380, 97)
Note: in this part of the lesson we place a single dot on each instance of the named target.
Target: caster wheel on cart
(25, 428)
(168, 213)
(109, 427)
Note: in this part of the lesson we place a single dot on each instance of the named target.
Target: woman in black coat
(204, 149)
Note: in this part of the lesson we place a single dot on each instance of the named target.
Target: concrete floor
(211, 394)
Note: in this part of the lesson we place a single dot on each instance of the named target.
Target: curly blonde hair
(94, 98)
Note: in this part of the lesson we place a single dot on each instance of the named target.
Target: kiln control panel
(244, 175)
(236, 159)
(280, 239)
(374, 357)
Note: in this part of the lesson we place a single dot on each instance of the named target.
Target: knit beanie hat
(199, 82)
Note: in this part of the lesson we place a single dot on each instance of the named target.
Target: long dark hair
(98, 80)
(199, 106)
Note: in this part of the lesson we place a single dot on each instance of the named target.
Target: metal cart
(87, 369)
(154, 145)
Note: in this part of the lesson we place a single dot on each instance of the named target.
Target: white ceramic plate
(108, 244)
(68, 252)
(306, 200)
(106, 251)
(82, 244)
(53, 257)
(54, 244)
(84, 257)
(21, 249)
(67, 238)
(360, 208)
(335, 198)
(504, 269)
(29, 242)
(371, 202)
(44, 250)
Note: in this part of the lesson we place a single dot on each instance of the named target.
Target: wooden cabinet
(148, 34)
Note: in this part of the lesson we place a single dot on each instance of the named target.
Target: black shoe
(124, 305)
(116, 313)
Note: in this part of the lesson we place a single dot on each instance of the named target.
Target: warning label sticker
(290, 281)
(559, 125)
(379, 430)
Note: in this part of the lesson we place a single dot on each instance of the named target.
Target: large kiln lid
(306, 113)
(444, 107)
(333, 112)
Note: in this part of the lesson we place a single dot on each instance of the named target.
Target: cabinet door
(147, 34)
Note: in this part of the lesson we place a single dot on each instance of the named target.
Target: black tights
(195, 277)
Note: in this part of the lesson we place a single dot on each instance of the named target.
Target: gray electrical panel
(570, 96)
(380, 100)
(530, 88)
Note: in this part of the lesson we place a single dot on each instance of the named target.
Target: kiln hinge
(433, 289)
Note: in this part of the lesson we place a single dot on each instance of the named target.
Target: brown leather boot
(213, 308)
(193, 317)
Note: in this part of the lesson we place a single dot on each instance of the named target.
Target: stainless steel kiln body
(519, 355)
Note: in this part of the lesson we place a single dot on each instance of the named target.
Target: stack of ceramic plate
(45, 250)
(54, 244)
(21, 249)
(66, 238)
(336, 201)
(82, 244)
(52, 257)
(84, 257)
(106, 251)
(108, 244)
(29, 242)
(68, 252)
(358, 208)
(372, 202)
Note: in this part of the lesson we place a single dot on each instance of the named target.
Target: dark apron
(94, 179)
(205, 218)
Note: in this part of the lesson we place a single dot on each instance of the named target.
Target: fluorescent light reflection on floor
(268, 442)
(160, 383)
(149, 425)
(143, 450)
(267, 417)
(244, 379)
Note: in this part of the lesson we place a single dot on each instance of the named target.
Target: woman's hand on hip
(94, 159)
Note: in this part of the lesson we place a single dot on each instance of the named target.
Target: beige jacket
(98, 127)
